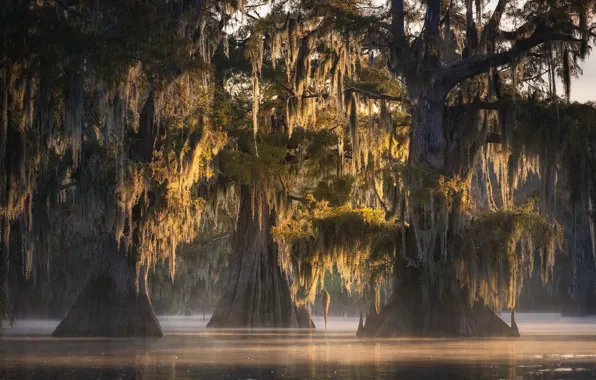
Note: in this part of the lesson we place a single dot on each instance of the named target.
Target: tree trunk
(437, 310)
(258, 292)
(425, 302)
(578, 296)
(428, 143)
(111, 304)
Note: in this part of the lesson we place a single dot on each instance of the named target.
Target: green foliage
(495, 231)
(335, 190)
(244, 166)
(323, 239)
(499, 252)
(377, 79)
(120, 110)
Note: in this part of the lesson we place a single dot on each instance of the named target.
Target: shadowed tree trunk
(115, 302)
(426, 304)
(111, 304)
(428, 299)
(438, 310)
(258, 292)
(579, 299)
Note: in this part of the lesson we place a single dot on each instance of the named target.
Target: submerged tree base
(258, 293)
(573, 308)
(410, 313)
(110, 304)
(265, 303)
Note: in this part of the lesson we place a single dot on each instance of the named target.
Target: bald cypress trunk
(258, 292)
(432, 303)
(111, 304)
(440, 309)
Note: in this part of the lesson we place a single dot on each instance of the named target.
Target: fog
(551, 347)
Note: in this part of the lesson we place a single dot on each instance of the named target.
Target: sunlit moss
(322, 238)
(114, 120)
(498, 251)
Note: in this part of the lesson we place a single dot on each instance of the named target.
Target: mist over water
(551, 347)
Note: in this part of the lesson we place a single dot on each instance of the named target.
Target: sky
(583, 89)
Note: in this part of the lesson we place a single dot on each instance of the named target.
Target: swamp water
(551, 347)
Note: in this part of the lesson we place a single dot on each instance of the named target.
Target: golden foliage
(323, 238)
(497, 253)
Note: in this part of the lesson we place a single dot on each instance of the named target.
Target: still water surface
(551, 347)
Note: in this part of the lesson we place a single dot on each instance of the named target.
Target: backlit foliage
(375, 134)
(323, 238)
(494, 145)
(498, 252)
(111, 117)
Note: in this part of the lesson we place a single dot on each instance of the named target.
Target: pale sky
(583, 88)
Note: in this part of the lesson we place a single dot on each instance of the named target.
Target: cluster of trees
(393, 144)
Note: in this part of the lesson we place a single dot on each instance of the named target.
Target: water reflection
(562, 350)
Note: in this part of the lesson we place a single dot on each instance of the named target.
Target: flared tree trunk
(425, 304)
(114, 303)
(258, 292)
(441, 309)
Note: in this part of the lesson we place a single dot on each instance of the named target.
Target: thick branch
(471, 31)
(472, 66)
(372, 95)
(433, 20)
(397, 18)
(433, 17)
(201, 245)
(522, 30)
(491, 31)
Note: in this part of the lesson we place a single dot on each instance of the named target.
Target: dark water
(551, 348)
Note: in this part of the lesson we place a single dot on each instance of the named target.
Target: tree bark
(425, 302)
(258, 292)
(428, 142)
(433, 310)
(114, 303)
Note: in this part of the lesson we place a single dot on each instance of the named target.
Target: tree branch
(433, 20)
(472, 66)
(492, 27)
(196, 246)
(397, 18)
(373, 95)
(471, 31)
